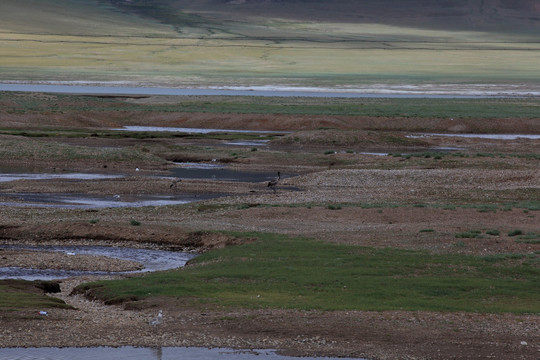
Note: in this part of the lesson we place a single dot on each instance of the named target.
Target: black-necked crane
(174, 183)
(272, 183)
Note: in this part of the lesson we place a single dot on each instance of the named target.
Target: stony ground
(424, 202)
(54, 260)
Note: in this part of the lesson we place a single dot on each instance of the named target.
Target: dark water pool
(223, 174)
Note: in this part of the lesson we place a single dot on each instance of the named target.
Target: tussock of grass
(472, 234)
(515, 232)
(334, 207)
(282, 272)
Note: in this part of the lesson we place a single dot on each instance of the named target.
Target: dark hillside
(487, 15)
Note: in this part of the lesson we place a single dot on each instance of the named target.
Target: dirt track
(439, 187)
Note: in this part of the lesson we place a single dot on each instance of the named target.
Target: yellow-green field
(74, 40)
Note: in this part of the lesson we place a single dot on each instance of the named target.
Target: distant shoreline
(369, 91)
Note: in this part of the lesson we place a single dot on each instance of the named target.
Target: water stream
(152, 260)
(13, 176)
(223, 174)
(194, 130)
(376, 91)
(204, 171)
(85, 201)
(139, 353)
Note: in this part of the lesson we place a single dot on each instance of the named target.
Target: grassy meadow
(295, 273)
(415, 108)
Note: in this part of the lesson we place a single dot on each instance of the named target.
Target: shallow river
(136, 353)
(204, 171)
(152, 260)
(260, 91)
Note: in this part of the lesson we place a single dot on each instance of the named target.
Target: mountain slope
(73, 17)
(492, 15)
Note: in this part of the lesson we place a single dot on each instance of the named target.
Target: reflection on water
(152, 260)
(138, 353)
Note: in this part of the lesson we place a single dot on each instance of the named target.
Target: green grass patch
(140, 135)
(296, 273)
(18, 103)
(21, 294)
